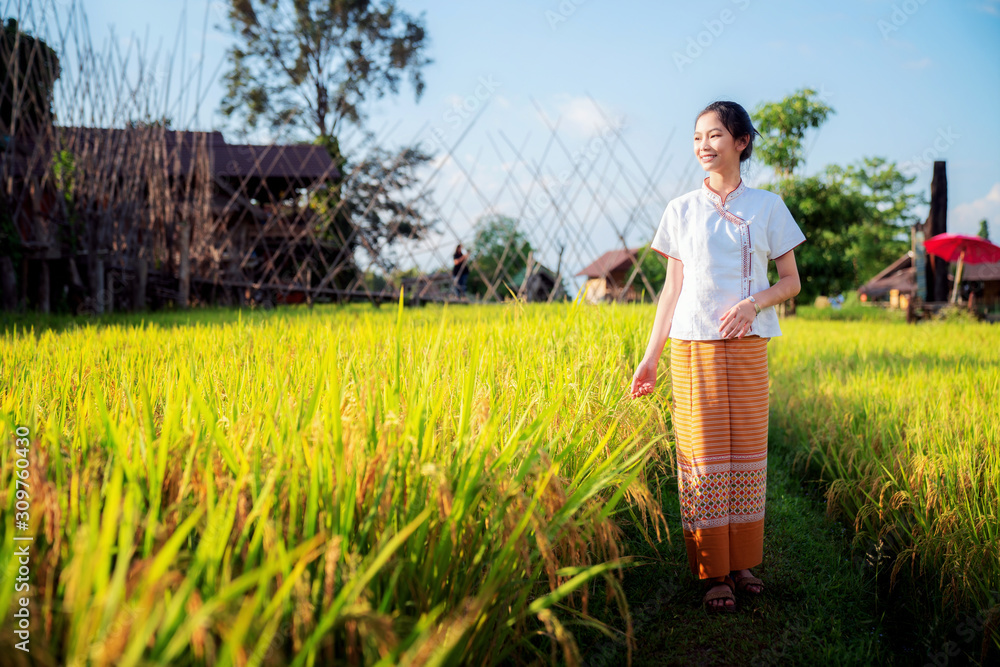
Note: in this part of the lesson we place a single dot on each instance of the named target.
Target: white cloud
(582, 116)
(964, 218)
(991, 7)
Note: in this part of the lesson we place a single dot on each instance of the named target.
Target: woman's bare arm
(665, 308)
(788, 284)
(644, 378)
(735, 323)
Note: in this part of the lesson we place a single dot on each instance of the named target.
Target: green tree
(653, 266)
(311, 67)
(315, 63)
(783, 127)
(855, 220)
(824, 211)
(373, 198)
(375, 209)
(499, 251)
(29, 68)
(881, 236)
(984, 230)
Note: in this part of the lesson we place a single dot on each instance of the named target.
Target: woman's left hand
(737, 320)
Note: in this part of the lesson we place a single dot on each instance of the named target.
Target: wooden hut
(540, 286)
(608, 274)
(983, 281)
(141, 214)
(901, 275)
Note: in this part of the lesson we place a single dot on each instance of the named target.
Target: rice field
(433, 485)
(338, 485)
(903, 424)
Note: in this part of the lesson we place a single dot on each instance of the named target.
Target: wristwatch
(755, 306)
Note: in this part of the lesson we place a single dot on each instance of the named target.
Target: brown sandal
(715, 595)
(749, 580)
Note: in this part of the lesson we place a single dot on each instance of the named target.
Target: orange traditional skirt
(720, 411)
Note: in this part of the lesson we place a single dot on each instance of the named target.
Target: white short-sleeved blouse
(725, 247)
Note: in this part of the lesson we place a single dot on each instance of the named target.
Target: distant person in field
(460, 271)
(716, 307)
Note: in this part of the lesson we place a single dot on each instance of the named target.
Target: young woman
(716, 307)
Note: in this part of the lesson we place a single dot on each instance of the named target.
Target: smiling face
(714, 147)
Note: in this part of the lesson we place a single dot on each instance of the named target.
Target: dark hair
(736, 121)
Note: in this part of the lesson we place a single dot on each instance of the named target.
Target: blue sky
(910, 81)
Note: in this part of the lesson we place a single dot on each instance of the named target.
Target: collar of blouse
(716, 199)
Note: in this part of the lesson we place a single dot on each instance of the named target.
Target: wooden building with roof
(901, 275)
(983, 281)
(141, 214)
(608, 274)
(542, 285)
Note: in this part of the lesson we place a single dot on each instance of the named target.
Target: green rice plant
(901, 422)
(427, 486)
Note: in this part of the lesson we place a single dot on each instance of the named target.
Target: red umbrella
(961, 248)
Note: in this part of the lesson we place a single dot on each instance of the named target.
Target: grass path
(817, 608)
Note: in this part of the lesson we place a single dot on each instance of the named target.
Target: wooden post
(958, 278)
(44, 287)
(139, 286)
(184, 272)
(8, 281)
(309, 294)
(22, 288)
(74, 274)
(937, 223)
(558, 280)
(527, 274)
(109, 291)
(97, 284)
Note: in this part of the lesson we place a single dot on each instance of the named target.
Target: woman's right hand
(644, 379)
